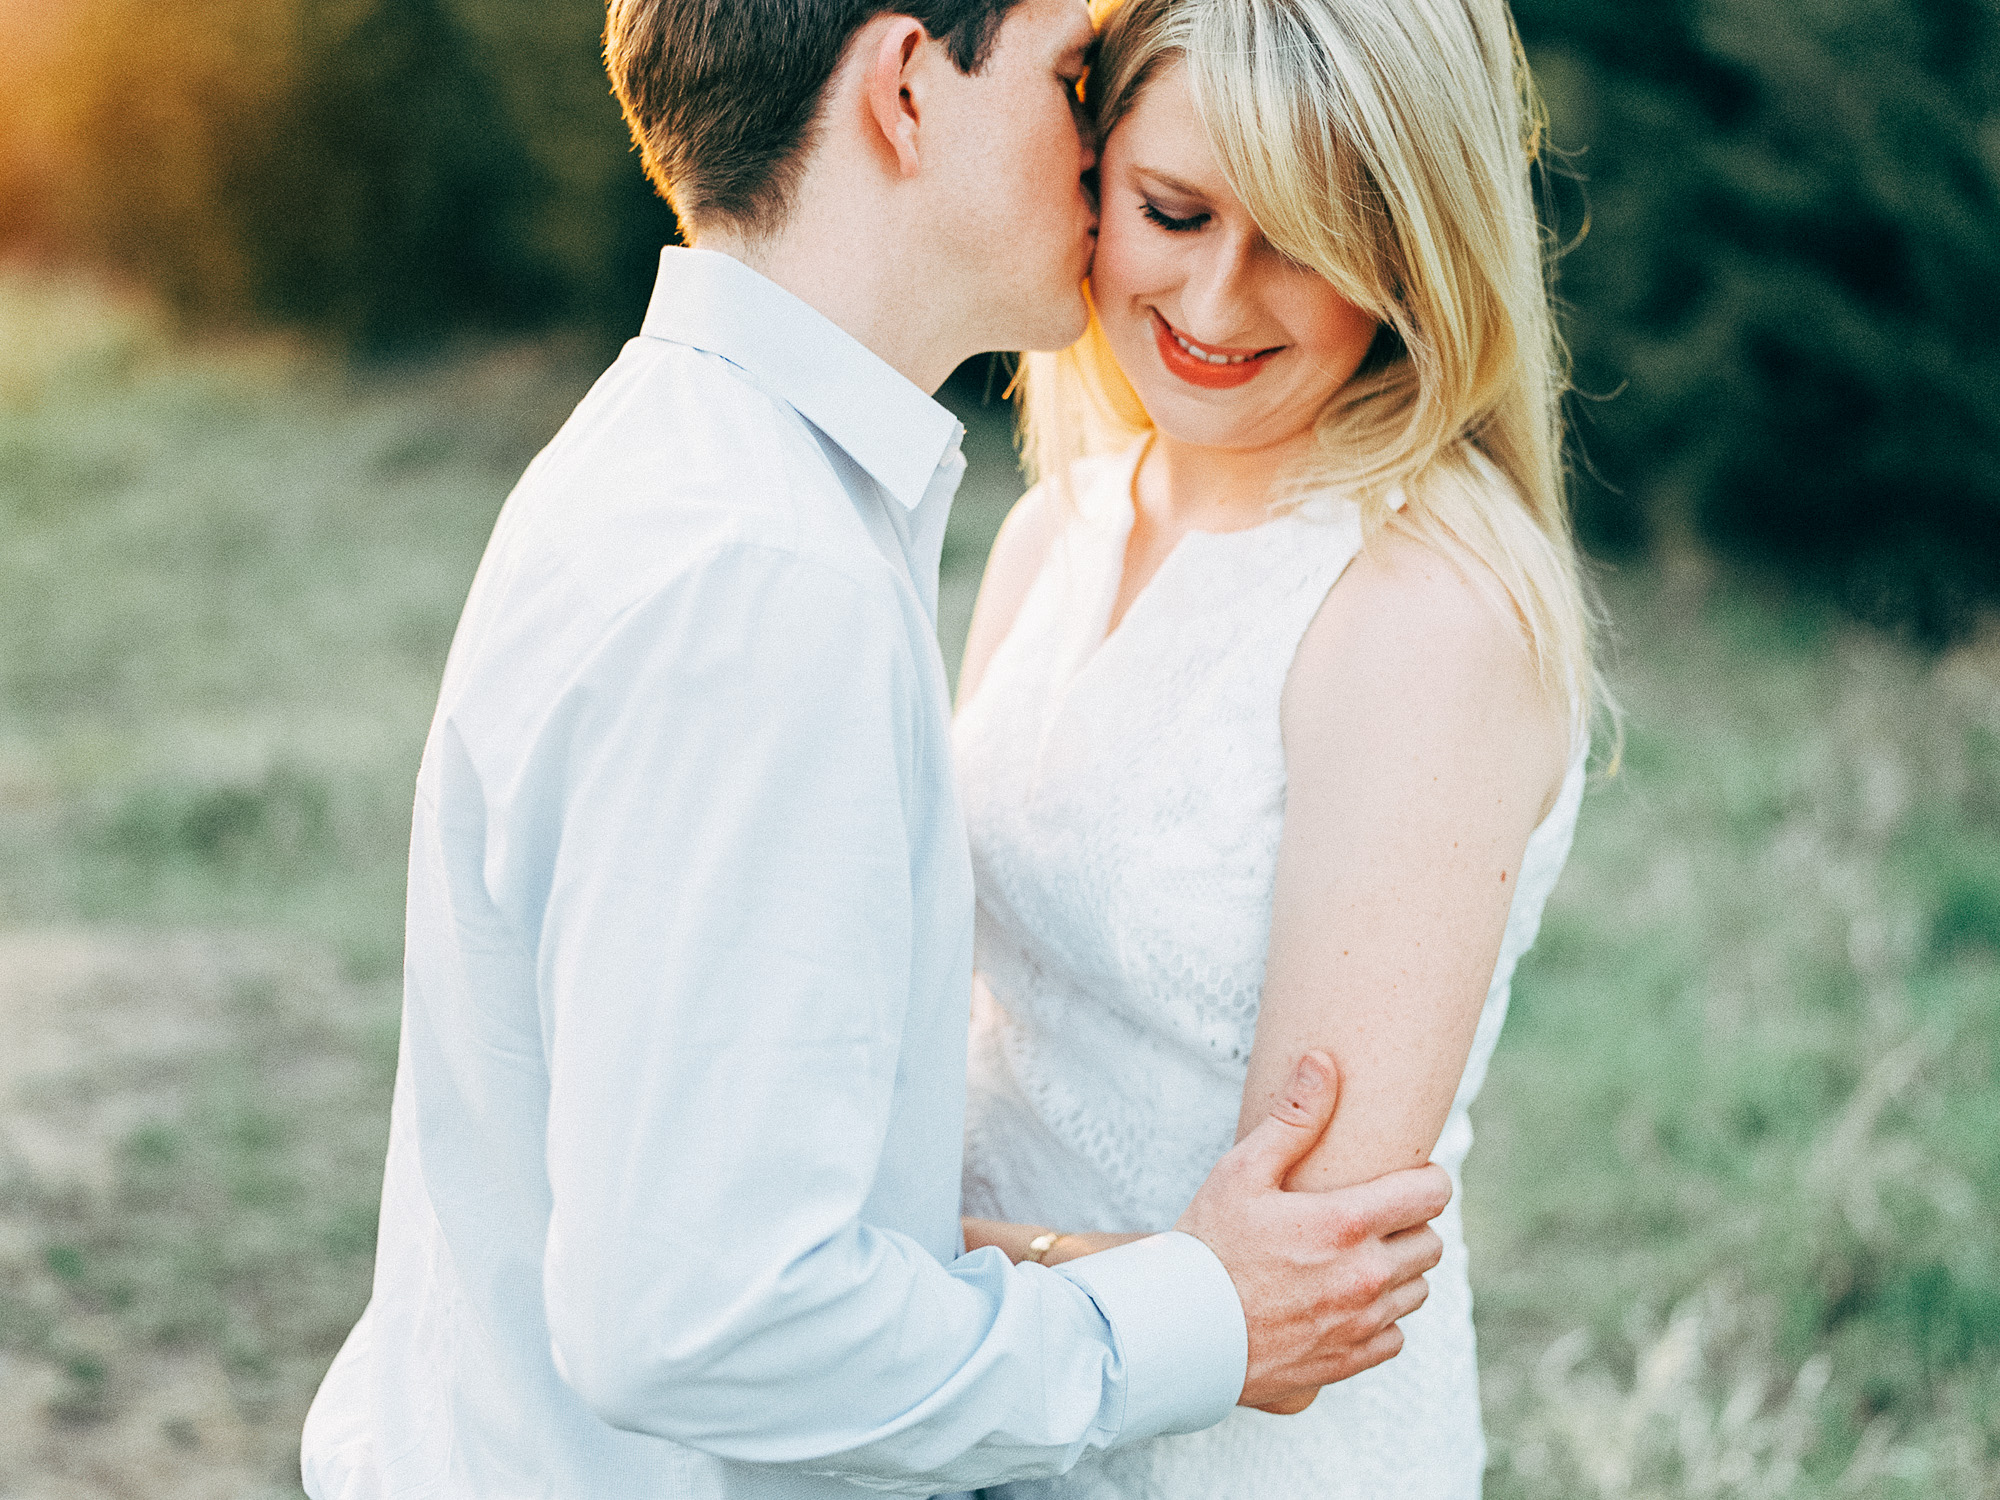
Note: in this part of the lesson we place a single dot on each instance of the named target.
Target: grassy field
(1736, 1206)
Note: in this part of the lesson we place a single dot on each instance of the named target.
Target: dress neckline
(1117, 511)
(1121, 509)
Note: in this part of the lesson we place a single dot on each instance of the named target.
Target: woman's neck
(1192, 487)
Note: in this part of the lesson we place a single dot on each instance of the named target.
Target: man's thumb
(1298, 1118)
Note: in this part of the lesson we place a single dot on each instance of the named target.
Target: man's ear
(890, 103)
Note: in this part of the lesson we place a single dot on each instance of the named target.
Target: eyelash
(1170, 224)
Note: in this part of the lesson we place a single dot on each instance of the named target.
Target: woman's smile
(1178, 252)
(1205, 364)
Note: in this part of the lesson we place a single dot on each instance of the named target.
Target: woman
(1272, 719)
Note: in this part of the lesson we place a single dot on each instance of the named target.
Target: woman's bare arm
(1015, 1240)
(1016, 558)
(1420, 751)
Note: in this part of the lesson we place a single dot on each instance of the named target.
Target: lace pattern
(1125, 795)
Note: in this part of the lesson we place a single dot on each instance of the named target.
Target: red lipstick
(1206, 365)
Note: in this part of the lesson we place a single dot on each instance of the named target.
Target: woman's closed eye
(1168, 222)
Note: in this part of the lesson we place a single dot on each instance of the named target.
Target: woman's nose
(1214, 296)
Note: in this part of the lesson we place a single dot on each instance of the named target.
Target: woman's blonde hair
(1390, 146)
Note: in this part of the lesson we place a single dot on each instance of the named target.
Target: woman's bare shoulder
(1025, 536)
(1019, 551)
(1404, 587)
(1418, 639)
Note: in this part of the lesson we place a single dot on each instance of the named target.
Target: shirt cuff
(1179, 1329)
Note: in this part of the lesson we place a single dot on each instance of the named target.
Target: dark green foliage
(1958, 866)
(1790, 280)
(386, 203)
(1787, 296)
(387, 172)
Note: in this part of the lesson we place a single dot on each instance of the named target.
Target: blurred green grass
(1735, 1209)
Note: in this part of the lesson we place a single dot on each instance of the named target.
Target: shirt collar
(888, 426)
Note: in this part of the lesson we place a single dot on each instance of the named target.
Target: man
(672, 1191)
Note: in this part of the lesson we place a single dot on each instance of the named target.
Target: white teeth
(1214, 359)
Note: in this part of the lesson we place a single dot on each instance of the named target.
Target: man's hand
(1323, 1276)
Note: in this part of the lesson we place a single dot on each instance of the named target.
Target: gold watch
(1041, 1245)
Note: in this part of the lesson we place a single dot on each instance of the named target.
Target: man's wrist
(1182, 1342)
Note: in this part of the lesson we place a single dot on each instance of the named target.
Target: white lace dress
(1125, 797)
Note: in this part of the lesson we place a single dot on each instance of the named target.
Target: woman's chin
(1229, 417)
(1207, 419)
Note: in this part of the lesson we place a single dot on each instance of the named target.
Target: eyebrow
(1170, 182)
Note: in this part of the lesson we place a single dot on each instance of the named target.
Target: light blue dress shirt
(671, 1206)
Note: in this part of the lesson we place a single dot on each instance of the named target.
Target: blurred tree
(1791, 280)
(600, 226)
(385, 171)
(389, 198)
(138, 121)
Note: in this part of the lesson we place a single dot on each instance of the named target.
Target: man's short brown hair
(721, 95)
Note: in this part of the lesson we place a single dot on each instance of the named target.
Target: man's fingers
(1297, 1120)
(1403, 1299)
(1411, 1253)
(1308, 1100)
(1385, 1346)
(1387, 1206)
(1420, 1248)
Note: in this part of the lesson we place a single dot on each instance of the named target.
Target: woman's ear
(898, 49)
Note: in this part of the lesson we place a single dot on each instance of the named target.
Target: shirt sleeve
(723, 961)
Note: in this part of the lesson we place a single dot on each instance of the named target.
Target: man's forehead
(1063, 24)
(1086, 30)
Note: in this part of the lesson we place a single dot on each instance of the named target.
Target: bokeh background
(290, 290)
